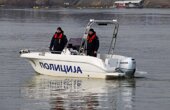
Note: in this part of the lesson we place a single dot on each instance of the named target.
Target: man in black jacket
(58, 41)
(92, 43)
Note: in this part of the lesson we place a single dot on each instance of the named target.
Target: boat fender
(24, 51)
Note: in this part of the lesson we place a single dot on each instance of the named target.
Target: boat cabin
(129, 4)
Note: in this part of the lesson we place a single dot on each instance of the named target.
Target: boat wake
(140, 74)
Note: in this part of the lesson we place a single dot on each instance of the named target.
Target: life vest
(56, 36)
(90, 39)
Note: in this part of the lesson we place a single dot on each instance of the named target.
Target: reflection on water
(81, 94)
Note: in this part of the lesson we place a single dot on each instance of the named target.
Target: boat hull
(71, 66)
(71, 69)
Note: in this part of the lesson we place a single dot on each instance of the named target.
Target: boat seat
(73, 52)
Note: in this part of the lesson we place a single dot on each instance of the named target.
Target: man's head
(59, 30)
(91, 31)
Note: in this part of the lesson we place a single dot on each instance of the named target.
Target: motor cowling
(128, 66)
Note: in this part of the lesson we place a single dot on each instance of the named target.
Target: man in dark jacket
(92, 43)
(58, 41)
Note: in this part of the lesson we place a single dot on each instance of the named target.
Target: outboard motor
(128, 66)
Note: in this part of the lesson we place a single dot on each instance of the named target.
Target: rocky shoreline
(76, 3)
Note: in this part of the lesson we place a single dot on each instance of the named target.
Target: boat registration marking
(61, 68)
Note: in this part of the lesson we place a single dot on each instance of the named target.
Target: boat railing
(40, 50)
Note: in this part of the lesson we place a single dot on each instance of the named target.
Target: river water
(143, 34)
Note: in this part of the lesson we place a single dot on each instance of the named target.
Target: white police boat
(74, 62)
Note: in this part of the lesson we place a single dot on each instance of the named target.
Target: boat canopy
(115, 25)
(80, 44)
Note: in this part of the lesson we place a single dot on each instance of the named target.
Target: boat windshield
(74, 43)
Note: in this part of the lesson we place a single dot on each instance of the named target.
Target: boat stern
(127, 66)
